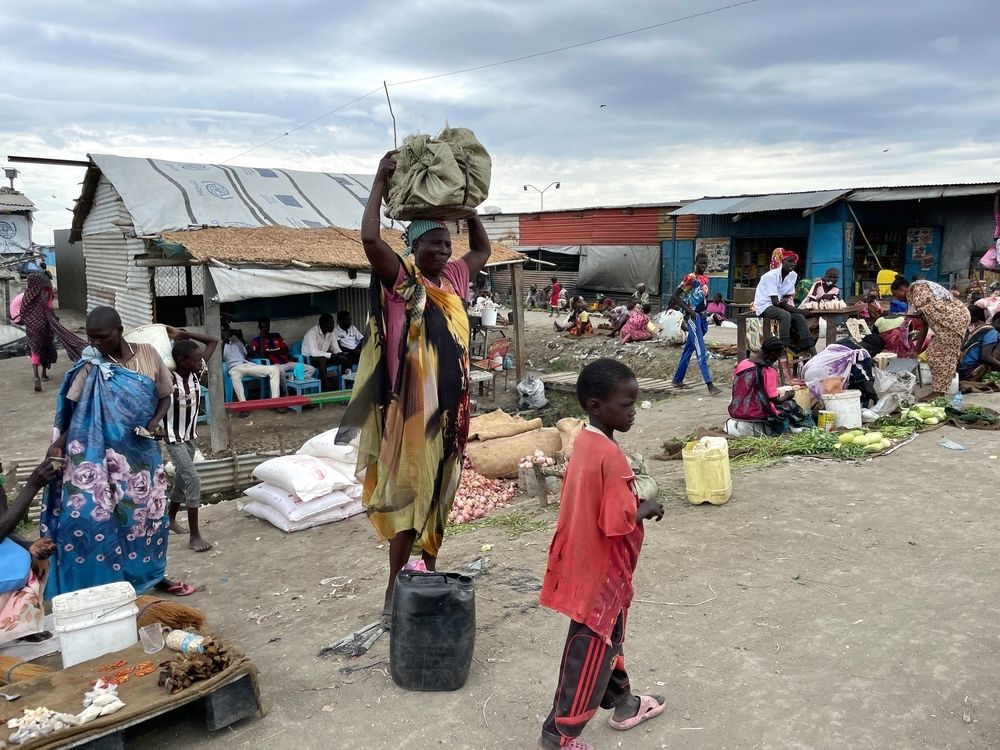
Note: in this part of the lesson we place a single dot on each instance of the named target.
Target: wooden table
(830, 316)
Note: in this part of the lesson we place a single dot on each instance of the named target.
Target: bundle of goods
(498, 442)
(478, 496)
(189, 667)
(442, 179)
(313, 487)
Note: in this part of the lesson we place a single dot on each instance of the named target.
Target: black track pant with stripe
(592, 675)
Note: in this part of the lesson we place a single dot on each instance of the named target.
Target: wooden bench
(289, 402)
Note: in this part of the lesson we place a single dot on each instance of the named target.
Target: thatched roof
(331, 247)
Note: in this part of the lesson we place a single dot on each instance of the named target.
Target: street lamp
(541, 193)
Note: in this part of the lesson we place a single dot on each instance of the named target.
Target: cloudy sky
(774, 95)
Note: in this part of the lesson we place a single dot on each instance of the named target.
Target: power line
(508, 61)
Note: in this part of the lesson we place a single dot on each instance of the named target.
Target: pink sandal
(649, 707)
(577, 744)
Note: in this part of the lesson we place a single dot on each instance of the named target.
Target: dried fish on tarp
(185, 669)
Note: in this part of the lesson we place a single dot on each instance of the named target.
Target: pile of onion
(536, 459)
(478, 496)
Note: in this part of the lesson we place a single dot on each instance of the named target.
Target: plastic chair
(227, 384)
(335, 370)
(205, 415)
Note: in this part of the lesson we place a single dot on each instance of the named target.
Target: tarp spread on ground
(167, 195)
(619, 268)
(235, 284)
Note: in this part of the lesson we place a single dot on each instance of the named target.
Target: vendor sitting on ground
(756, 397)
(862, 375)
(979, 350)
(636, 328)
(619, 316)
(24, 565)
(580, 324)
(716, 310)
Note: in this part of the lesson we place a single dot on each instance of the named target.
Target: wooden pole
(218, 417)
(517, 317)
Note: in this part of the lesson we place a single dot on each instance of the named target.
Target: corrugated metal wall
(113, 278)
(593, 226)
(108, 207)
(71, 275)
(500, 279)
(687, 226)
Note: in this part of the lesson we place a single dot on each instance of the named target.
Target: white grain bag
(292, 506)
(325, 445)
(305, 476)
(265, 512)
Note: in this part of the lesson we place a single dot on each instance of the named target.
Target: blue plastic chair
(296, 351)
(205, 415)
(227, 383)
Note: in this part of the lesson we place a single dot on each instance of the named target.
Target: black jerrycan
(433, 630)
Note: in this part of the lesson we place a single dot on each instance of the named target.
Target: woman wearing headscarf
(42, 328)
(411, 394)
(948, 317)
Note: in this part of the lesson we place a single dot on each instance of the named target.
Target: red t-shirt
(597, 541)
(554, 298)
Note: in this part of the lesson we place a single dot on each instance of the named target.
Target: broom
(174, 616)
(14, 670)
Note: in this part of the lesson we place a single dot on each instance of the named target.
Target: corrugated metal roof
(749, 204)
(12, 200)
(922, 192)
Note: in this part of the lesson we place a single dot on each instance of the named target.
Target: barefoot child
(591, 560)
(179, 426)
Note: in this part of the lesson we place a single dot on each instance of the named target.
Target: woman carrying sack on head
(411, 394)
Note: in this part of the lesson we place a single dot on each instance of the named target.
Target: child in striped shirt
(180, 428)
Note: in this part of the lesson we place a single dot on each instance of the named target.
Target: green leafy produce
(973, 409)
(992, 377)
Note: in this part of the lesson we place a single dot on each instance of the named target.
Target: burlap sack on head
(443, 178)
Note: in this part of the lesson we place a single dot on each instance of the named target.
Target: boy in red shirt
(591, 561)
(554, 297)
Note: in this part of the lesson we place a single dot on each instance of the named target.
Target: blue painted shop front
(904, 236)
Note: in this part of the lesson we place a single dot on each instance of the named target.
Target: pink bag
(989, 260)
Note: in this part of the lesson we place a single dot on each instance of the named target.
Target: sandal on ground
(179, 588)
(574, 744)
(650, 706)
(386, 620)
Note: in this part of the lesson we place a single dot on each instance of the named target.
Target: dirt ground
(826, 605)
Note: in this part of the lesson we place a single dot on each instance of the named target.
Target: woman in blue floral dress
(107, 512)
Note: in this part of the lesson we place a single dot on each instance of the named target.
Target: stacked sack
(315, 486)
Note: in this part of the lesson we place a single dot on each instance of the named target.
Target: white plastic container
(95, 621)
(846, 408)
(489, 316)
(156, 336)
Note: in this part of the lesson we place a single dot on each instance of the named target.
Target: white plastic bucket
(156, 336)
(95, 621)
(489, 317)
(846, 408)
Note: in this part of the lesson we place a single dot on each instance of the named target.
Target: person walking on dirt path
(774, 300)
(106, 513)
(591, 561)
(554, 291)
(691, 296)
(42, 327)
(190, 352)
(410, 401)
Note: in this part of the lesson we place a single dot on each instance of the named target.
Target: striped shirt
(180, 424)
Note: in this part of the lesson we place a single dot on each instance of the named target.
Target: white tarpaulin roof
(15, 234)
(235, 284)
(167, 195)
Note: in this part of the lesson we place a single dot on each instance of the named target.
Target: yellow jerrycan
(706, 471)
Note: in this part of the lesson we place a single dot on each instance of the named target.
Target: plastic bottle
(957, 401)
(185, 642)
(433, 631)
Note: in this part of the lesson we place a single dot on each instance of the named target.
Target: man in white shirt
(775, 300)
(320, 343)
(234, 357)
(348, 337)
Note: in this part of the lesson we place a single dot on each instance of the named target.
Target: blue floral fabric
(106, 514)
